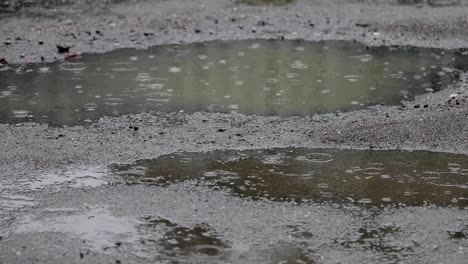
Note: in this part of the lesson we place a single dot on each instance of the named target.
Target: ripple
(365, 201)
(208, 251)
(123, 67)
(372, 171)
(299, 65)
(316, 157)
(90, 107)
(21, 113)
(72, 66)
(273, 159)
(114, 101)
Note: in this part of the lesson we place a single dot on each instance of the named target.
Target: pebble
(63, 49)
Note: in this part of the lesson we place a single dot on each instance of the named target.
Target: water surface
(314, 175)
(252, 77)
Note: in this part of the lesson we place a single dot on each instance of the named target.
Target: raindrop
(175, 69)
(90, 107)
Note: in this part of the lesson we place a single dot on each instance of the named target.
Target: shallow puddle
(178, 242)
(253, 77)
(304, 175)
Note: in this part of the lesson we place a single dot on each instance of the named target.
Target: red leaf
(69, 56)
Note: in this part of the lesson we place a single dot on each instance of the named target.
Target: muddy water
(253, 77)
(304, 175)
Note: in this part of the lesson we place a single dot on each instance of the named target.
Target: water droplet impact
(175, 69)
(73, 66)
(208, 251)
(21, 113)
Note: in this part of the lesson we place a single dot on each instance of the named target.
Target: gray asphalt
(41, 223)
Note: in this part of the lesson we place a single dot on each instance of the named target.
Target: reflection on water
(253, 77)
(301, 174)
(201, 244)
(182, 243)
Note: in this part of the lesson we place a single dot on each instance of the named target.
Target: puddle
(183, 243)
(153, 237)
(97, 226)
(252, 77)
(72, 178)
(314, 175)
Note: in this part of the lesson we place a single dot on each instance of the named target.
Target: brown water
(314, 175)
(252, 77)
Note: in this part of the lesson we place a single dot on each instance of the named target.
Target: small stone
(222, 129)
(363, 25)
(416, 106)
(197, 31)
(63, 49)
(426, 106)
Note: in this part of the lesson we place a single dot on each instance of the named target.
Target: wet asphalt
(36, 223)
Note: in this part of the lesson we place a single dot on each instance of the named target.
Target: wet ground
(96, 192)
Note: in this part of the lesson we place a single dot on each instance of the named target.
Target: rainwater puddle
(153, 237)
(97, 226)
(179, 243)
(311, 175)
(252, 77)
